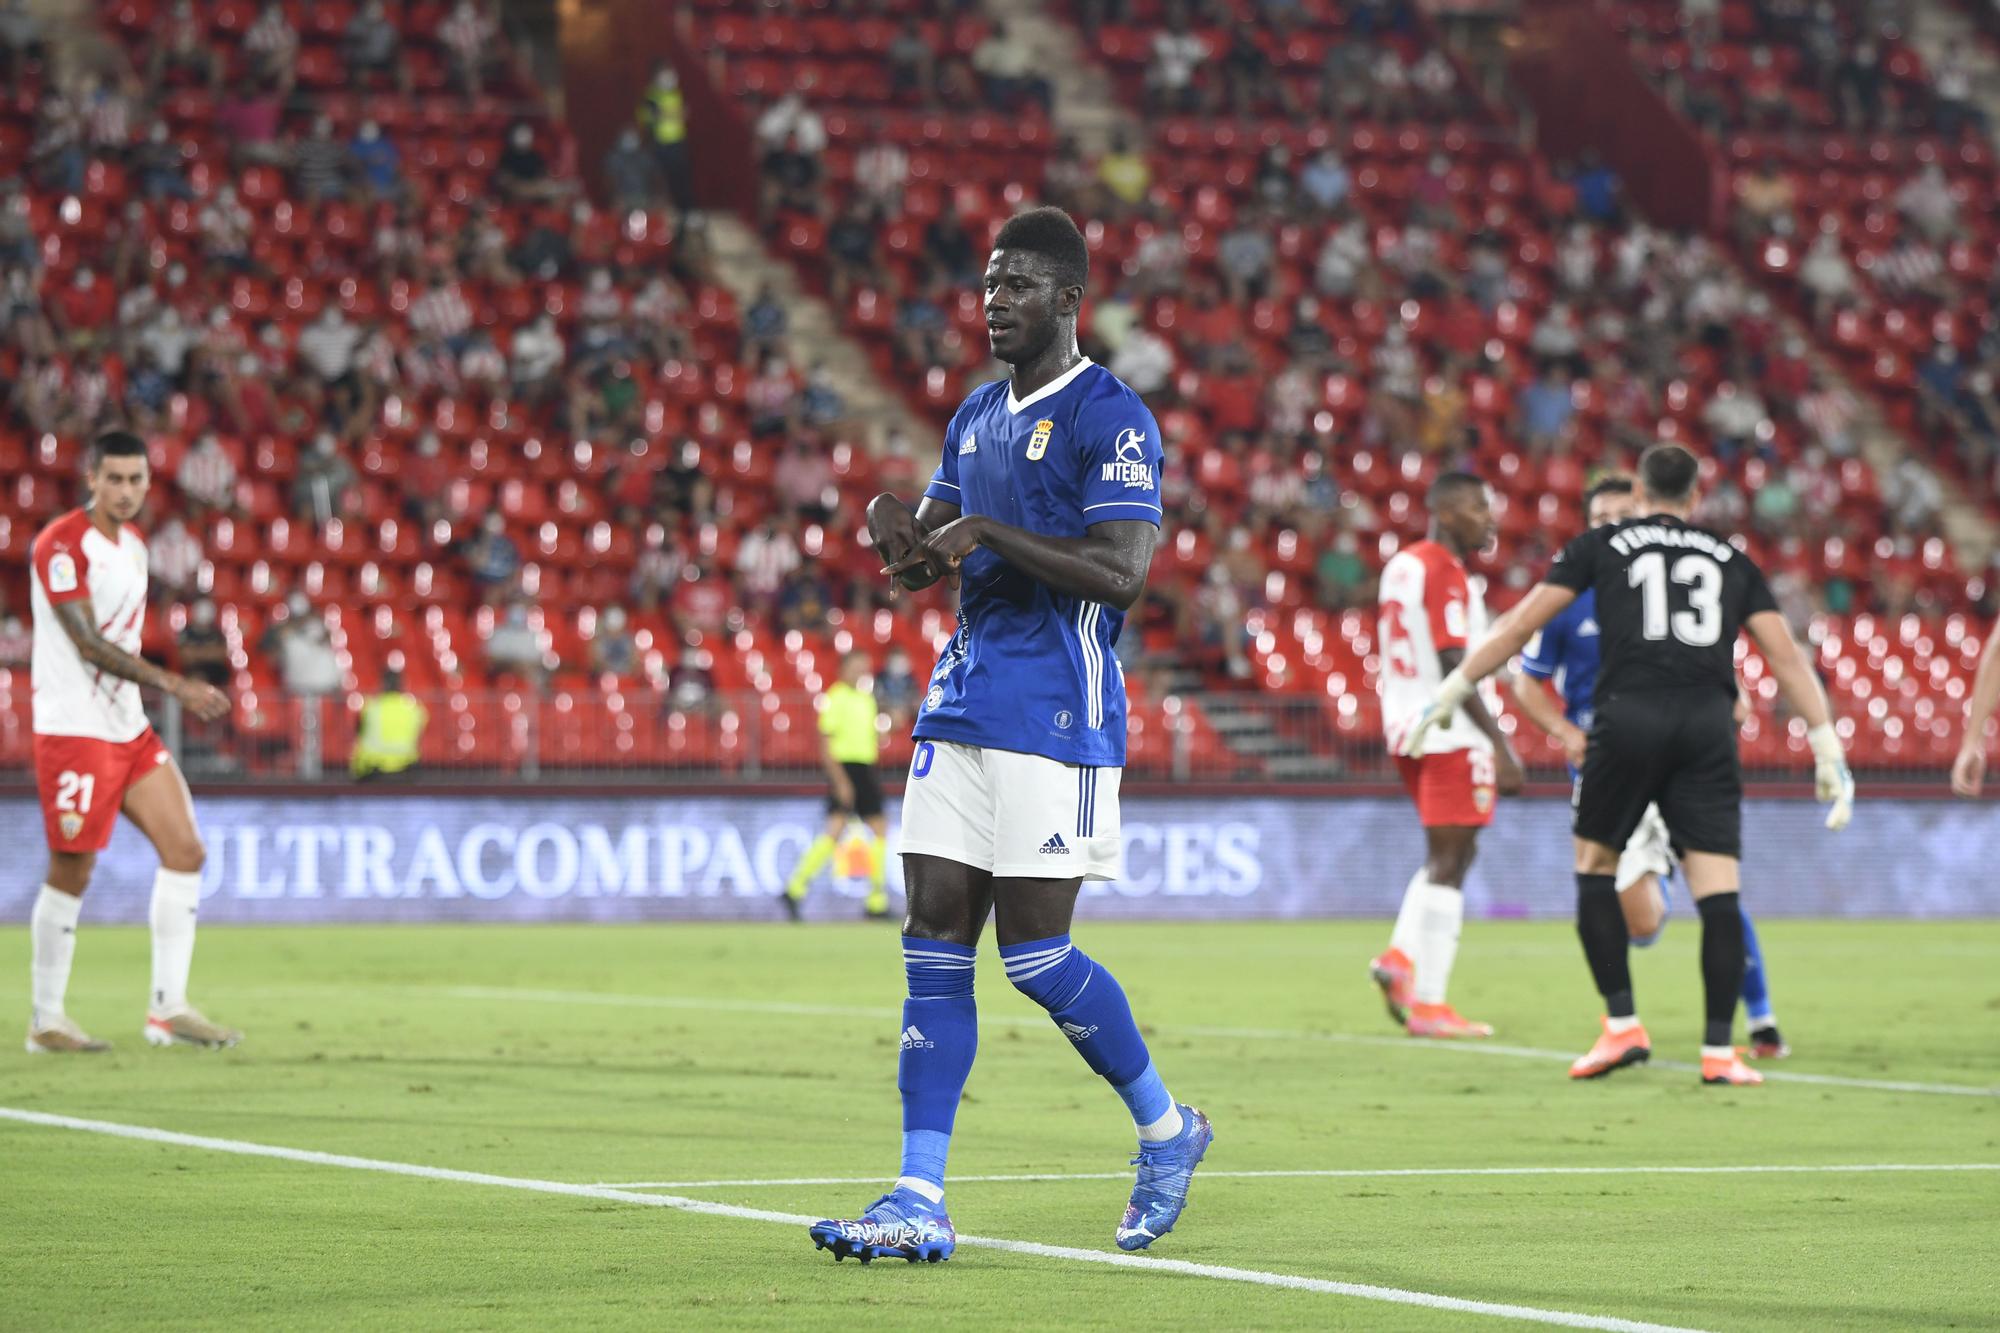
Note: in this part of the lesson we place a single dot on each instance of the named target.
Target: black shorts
(1676, 747)
(867, 793)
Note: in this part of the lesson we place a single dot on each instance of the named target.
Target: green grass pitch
(621, 1055)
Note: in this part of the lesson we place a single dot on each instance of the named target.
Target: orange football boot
(1441, 1020)
(1614, 1050)
(1727, 1068)
(1397, 976)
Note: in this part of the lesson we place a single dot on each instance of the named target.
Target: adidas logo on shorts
(915, 1040)
(1055, 846)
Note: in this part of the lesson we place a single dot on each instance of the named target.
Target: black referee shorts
(1676, 747)
(867, 793)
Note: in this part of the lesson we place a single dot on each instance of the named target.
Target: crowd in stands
(410, 386)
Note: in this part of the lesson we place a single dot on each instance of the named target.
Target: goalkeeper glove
(1453, 692)
(1832, 781)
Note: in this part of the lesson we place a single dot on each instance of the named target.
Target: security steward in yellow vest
(853, 743)
(663, 116)
(391, 732)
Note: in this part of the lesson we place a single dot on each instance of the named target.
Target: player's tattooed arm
(1107, 565)
(79, 621)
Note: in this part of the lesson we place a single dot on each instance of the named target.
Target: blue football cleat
(902, 1224)
(1165, 1170)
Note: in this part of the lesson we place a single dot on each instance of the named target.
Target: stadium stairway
(745, 266)
(1085, 108)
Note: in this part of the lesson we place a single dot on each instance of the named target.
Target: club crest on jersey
(968, 445)
(1038, 443)
(1130, 466)
(71, 824)
(1482, 799)
(62, 572)
(935, 697)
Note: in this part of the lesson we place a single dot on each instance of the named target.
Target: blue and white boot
(1165, 1170)
(902, 1224)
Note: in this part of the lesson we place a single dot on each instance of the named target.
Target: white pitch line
(703, 1003)
(1385, 1173)
(1111, 1258)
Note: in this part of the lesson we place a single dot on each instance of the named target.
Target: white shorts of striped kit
(1022, 816)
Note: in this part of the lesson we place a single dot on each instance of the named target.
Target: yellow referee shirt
(847, 720)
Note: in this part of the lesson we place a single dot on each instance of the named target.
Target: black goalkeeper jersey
(1671, 599)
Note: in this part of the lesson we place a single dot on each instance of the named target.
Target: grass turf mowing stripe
(1116, 1259)
(704, 1003)
(1859, 1168)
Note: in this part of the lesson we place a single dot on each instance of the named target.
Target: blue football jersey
(1030, 669)
(1568, 651)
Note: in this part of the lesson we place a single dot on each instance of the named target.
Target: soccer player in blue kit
(1044, 512)
(1566, 654)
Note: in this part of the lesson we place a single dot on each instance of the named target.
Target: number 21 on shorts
(74, 791)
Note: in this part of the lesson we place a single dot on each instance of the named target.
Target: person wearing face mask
(612, 649)
(304, 648)
(494, 557)
(388, 738)
(374, 49)
(467, 35)
(633, 175)
(522, 173)
(378, 163)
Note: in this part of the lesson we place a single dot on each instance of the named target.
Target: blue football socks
(940, 1037)
(1756, 990)
(1089, 1008)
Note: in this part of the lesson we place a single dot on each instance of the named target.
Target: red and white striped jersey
(1427, 604)
(71, 560)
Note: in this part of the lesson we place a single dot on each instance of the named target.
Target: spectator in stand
(1436, 83)
(1858, 86)
(765, 558)
(514, 648)
(912, 67)
(803, 481)
(324, 481)
(207, 478)
(373, 49)
(852, 254)
(691, 687)
(424, 479)
(57, 151)
(1825, 273)
(522, 174)
(482, 365)
(663, 120)
(467, 35)
(1145, 361)
(772, 397)
(494, 559)
(1829, 412)
(921, 327)
(1124, 173)
(632, 175)
(327, 350)
(1545, 408)
(1389, 84)
(247, 119)
(765, 323)
(613, 651)
(1599, 192)
(271, 48)
(820, 402)
(881, 170)
(1765, 201)
(1737, 421)
(658, 568)
(181, 52)
(21, 39)
(1324, 181)
(304, 649)
(1006, 67)
(1340, 577)
(173, 561)
(158, 167)
(1911, 267)
(1926, 200)
(1244, 257)
(1952, 95)
(804, 601)
(320, 164)
(703, 604)
(1178, 55)
(202, 651)
(442, 314)
(897, 689)
(378, 163)
(1940, 387)
(791, 138)
(950, 249)
(225, 233)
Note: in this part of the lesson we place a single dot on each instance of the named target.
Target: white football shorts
(1650, 852)
(1020, 816)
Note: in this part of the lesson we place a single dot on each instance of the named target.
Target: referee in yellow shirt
(847, 719)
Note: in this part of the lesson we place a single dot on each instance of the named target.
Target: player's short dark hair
(1611, 483)
(1050, 232)
(1449, 486)
(1669, 472)
(116, 444)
